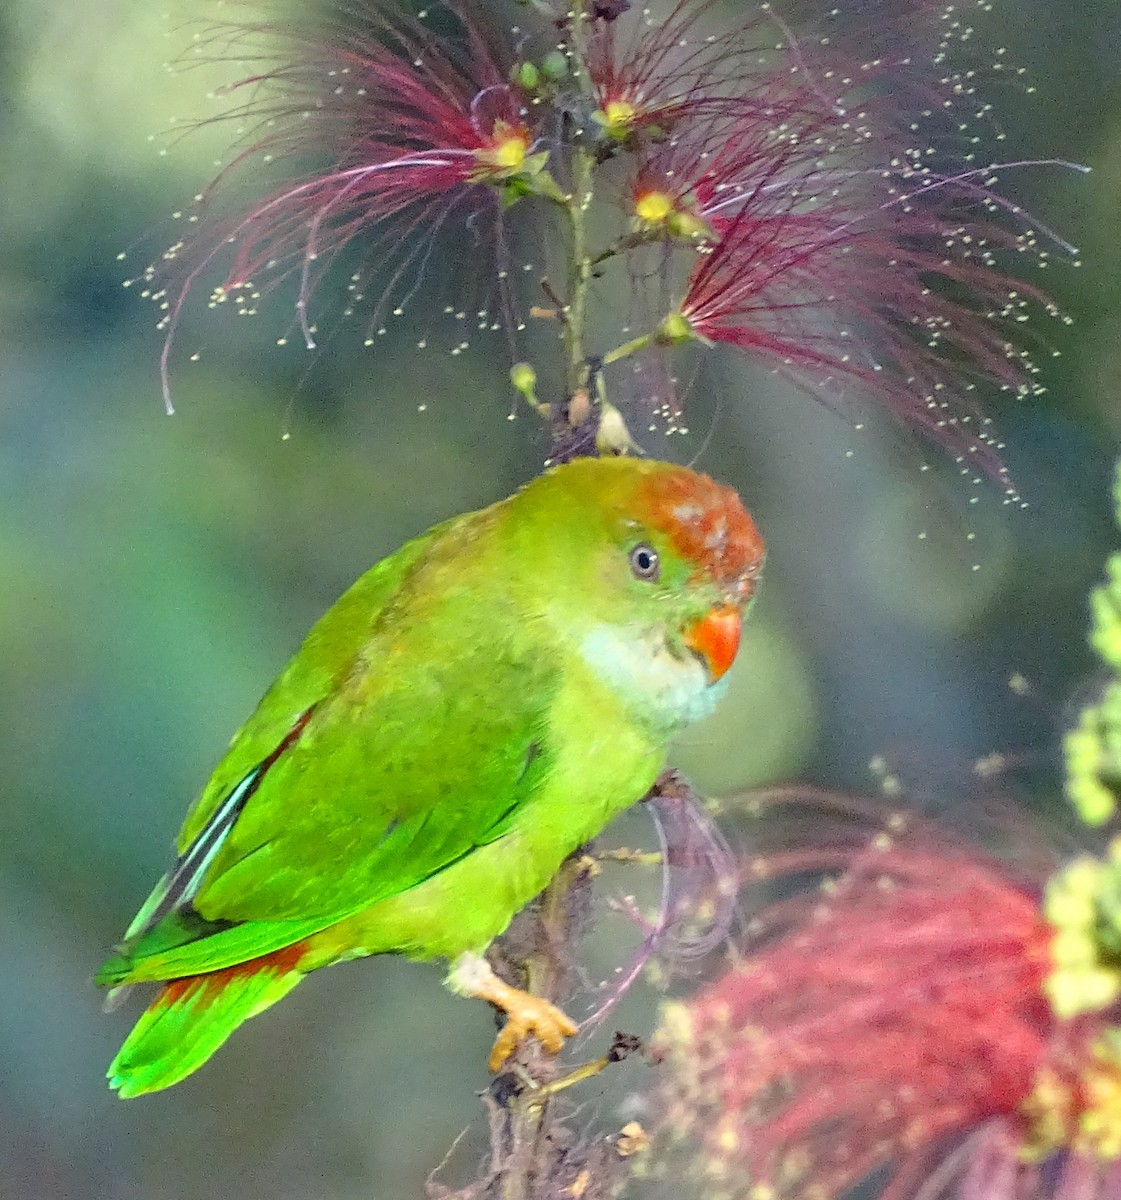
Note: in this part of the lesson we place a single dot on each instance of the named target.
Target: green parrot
(476, 707)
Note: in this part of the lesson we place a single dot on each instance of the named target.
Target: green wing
(408, 730)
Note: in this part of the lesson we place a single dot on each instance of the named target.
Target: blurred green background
(155, 574)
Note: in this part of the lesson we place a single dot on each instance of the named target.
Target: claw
(526, 1015)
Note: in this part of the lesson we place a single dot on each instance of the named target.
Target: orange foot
(526, 1014)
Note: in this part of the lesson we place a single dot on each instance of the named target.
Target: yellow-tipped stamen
(617, 117)
(506, 151)
(654, 208)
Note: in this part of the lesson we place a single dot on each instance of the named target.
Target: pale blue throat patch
(656, 686)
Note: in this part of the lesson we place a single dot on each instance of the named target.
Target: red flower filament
(414, 133)
(649, 72)
(882, 1021)
(807, 205)
(832, 249)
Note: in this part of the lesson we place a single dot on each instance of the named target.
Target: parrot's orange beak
(716, 638)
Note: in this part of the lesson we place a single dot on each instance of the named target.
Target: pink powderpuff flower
(648, 71)
(824, 236)
(898, 1022)
(415, 131)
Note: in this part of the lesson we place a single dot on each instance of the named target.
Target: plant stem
(546, 975)
(534, 1151)
(628, 348)
(580, 271)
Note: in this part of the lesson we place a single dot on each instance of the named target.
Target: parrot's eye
(644, 562)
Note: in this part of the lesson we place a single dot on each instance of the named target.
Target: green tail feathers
(192, 1017)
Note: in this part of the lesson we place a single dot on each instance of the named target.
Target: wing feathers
(186, 876)
(423, 740)
(181, 884)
